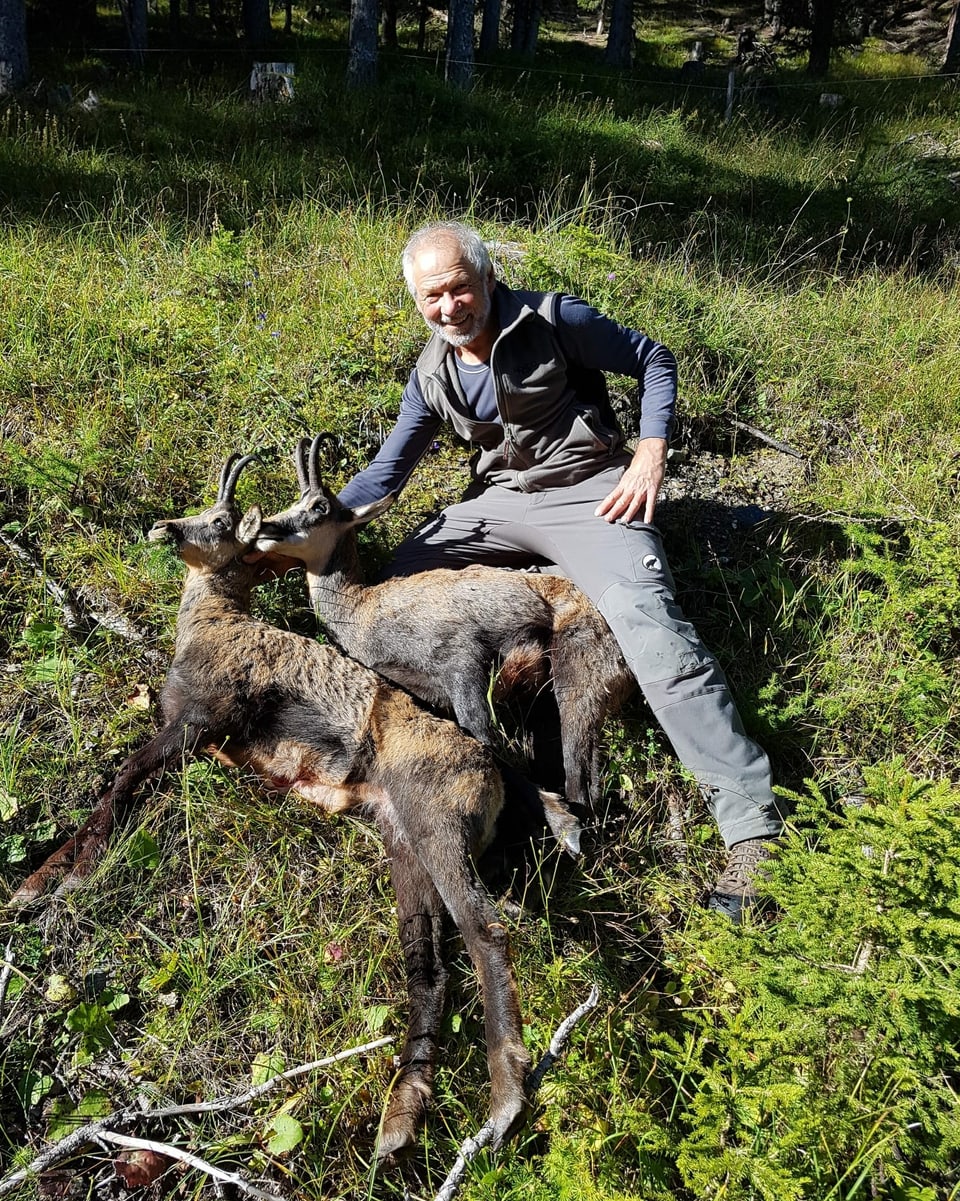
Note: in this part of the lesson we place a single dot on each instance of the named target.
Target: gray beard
(454, 335)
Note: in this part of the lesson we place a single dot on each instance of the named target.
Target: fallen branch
(93, 1131)
(783, 447)
(62, 596)
(75, 607)
(258, 1090)
(471, 1146)
(110, 618)
(5, 974)
(202, 1165)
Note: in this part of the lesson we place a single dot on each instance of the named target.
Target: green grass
(184, 275)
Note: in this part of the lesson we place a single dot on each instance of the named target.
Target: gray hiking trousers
(623, 569)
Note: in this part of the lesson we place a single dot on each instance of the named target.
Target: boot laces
(740, 874)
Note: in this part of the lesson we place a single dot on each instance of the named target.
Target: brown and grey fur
(309, 720)
(440, 633)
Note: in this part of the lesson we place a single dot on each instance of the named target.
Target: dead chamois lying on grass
(307, 719)
(440, 633)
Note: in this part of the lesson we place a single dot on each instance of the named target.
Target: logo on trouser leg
(651, 562)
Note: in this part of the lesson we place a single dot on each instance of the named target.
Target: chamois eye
(221, 524)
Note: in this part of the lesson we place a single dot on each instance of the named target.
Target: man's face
(454, 303)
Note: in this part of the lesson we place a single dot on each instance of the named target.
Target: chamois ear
(249, 525)
(364, 513)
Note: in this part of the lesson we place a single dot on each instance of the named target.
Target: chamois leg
(547, 806)
(420, 920)
(583, 704)
(579, 733)
(486, 941)
(468, 699)
(75, 859)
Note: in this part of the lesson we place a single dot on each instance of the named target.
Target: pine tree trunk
(821, 36)
(14, 66)
(388, 25)
(619, 51)
(951, 61)
(135, 19)
(81, 16)
(490, 27)
(362, 59)
(256, 23)
(526, 27)
(459, 66)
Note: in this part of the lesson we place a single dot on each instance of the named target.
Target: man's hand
(639, 485)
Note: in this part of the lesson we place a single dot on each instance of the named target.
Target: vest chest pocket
(589, 430)
(533, 377)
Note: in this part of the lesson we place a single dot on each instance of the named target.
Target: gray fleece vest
(557, 426)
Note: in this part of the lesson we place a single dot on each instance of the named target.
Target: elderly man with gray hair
(520, 375)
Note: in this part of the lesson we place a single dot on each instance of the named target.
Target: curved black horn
(230, 474)
(225, 475)
(314, 461)
(301, 462)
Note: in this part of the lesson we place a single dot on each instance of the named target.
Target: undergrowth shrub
(817, 1057)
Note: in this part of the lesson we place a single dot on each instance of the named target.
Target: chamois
(309, 720)
(439, 633)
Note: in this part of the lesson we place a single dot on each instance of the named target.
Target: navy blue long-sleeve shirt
(585, 336)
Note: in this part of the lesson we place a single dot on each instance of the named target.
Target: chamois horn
(230, 474)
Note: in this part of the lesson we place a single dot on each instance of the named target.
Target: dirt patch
(719, 485)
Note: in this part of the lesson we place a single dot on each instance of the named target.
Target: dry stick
(258, 1090)
(783, 447)
(100, 611)
(202, 1165)
(110, 617)
(5, 974)
(478, 1141)
(127, 1117)
(68, 606)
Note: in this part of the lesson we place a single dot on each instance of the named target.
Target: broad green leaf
(375, 1017)
(284, 1133)
(265, 1065)
(8, 804)
(143, 853)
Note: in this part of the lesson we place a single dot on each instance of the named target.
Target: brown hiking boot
(735, 891)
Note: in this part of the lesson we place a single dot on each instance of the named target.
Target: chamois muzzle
(163, 531)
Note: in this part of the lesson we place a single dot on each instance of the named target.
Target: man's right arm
(402, 450)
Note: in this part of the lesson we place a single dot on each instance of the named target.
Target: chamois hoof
(60, 873)
(46, 881)
(34, 889)
(402, 1121)
(24, 897)
(571, 841)
(562, 822)
(507, 1121)
(393, 1148)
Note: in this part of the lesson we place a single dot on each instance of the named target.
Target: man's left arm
(595, 341)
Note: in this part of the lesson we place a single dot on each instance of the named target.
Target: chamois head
(219, 534)
(310, 529)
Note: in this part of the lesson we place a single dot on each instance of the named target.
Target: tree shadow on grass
(187, 147)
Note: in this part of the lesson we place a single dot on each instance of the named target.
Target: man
(520, 375)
